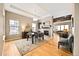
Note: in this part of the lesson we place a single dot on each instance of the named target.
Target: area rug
(25, 46)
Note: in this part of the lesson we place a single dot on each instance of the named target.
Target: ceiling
(40, 10)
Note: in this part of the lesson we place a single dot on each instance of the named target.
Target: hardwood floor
(10, 49)
(49, 48)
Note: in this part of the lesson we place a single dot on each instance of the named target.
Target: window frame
(14, 28)
(64, 27)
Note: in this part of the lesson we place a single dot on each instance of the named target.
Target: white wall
(2, 28)
(76, 39)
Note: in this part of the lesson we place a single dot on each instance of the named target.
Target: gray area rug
(25, 46)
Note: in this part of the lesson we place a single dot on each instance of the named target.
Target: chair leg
(36, 40)
(58, 45)
(43, 37)
(27, 39)
(71, 50)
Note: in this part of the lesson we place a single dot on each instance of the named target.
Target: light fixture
(23, 28)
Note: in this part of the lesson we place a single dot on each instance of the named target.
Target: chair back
(36, 35)
(69, 36)
(71, 39)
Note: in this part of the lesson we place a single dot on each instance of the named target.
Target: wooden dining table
(33, 35)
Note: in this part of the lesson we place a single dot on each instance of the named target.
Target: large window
(62, 27)
(14, 27)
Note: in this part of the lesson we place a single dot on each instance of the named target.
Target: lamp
(66, 30)
(23, 28)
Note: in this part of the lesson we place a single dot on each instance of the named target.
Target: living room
(31, 29)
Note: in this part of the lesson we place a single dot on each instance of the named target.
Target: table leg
(32, 39)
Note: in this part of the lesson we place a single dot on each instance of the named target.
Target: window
(62, 27)
(14, 27)
(33, 27)
(35, 19)
(67, 27)
(58, 28)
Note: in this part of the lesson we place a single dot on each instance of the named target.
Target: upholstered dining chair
(67, 42)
